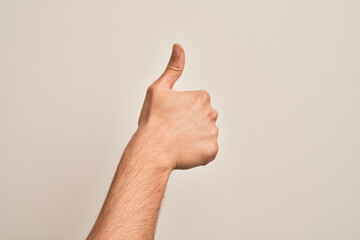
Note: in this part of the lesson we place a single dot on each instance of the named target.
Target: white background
(284, 76)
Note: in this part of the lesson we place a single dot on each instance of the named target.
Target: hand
(176, 130)
(181, 124)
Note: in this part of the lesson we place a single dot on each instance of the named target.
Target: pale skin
(176, 130)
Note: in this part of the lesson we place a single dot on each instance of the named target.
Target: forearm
(132, 205)
(176, 131)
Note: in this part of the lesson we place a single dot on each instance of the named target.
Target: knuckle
(211, 154)
(151, 90)
(214, 130)
(214, 114)
(210, 158)
(213, 150)
(174, 67)
(205, 95)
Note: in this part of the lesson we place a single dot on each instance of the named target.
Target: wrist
(147, 142)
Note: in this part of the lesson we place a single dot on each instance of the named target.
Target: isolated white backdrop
(284, 76)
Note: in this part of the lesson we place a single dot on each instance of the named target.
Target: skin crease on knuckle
(173, 67)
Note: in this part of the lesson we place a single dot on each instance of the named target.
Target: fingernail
(175, 51)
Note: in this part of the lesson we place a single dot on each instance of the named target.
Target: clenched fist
(176, 131)
(182, 124)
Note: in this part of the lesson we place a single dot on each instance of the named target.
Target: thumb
(174, 68)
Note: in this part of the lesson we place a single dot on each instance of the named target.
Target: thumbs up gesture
(179, 125)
